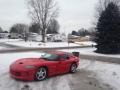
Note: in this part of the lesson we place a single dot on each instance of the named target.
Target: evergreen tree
(74, 33)
(108, 30)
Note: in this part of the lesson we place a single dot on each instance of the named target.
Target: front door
(64, 64)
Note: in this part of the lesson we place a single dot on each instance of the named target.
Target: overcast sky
(74, 14)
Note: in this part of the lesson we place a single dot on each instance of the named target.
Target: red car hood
(30, 61)
(27, 61)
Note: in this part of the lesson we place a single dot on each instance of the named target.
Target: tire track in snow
(81, 81)
(53, 83)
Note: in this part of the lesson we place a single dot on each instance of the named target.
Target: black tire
(41, 74)
(73, 68)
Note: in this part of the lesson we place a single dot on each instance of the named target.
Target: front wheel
(73, 68)
(41, 74)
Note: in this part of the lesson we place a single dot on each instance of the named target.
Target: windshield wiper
(44, 58)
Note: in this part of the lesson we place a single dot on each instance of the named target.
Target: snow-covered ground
(86, 43)
(10, 40)
(22, 43)
(106, 72)
(41, 45)
(107, 75)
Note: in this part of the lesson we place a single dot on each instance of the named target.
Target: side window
(65, 56)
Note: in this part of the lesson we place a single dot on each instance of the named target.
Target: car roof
(58, 52)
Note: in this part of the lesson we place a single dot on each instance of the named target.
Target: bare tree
(53, 27)
(35, 28)
(21, 29)
(42, 12)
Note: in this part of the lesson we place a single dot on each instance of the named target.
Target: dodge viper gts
(49, 64)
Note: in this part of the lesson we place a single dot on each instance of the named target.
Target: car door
(53, 67)
(64, 63)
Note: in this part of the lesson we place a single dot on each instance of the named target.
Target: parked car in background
(34, 37)
(56, 37)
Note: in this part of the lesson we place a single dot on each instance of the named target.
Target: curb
(23, 49)
(100, 58)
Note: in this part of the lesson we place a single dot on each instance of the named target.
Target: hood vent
(21, 63)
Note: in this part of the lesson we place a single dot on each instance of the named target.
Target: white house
(15, 36)
(56, 37)
(4, 35)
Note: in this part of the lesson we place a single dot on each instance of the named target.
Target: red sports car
(49, 64)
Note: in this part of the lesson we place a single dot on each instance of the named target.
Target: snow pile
(86, 43)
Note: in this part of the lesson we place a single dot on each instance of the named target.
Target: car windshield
(50, 57)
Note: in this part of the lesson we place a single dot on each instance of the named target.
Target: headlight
(30, 67)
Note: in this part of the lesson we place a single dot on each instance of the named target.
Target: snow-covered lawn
(10, 40)
(22, 43)
(106, 73)
(39, 44)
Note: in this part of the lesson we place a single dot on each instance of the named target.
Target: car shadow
(52, 77)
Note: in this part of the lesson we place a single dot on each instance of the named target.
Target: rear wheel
(41, 74)
(73, 68)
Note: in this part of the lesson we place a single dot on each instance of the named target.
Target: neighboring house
(72, 38)
(34, 37)
(4, 35)
(56, 37)
(15, 36)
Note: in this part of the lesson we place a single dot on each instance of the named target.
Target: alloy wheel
(73, 68)
(41, 74)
